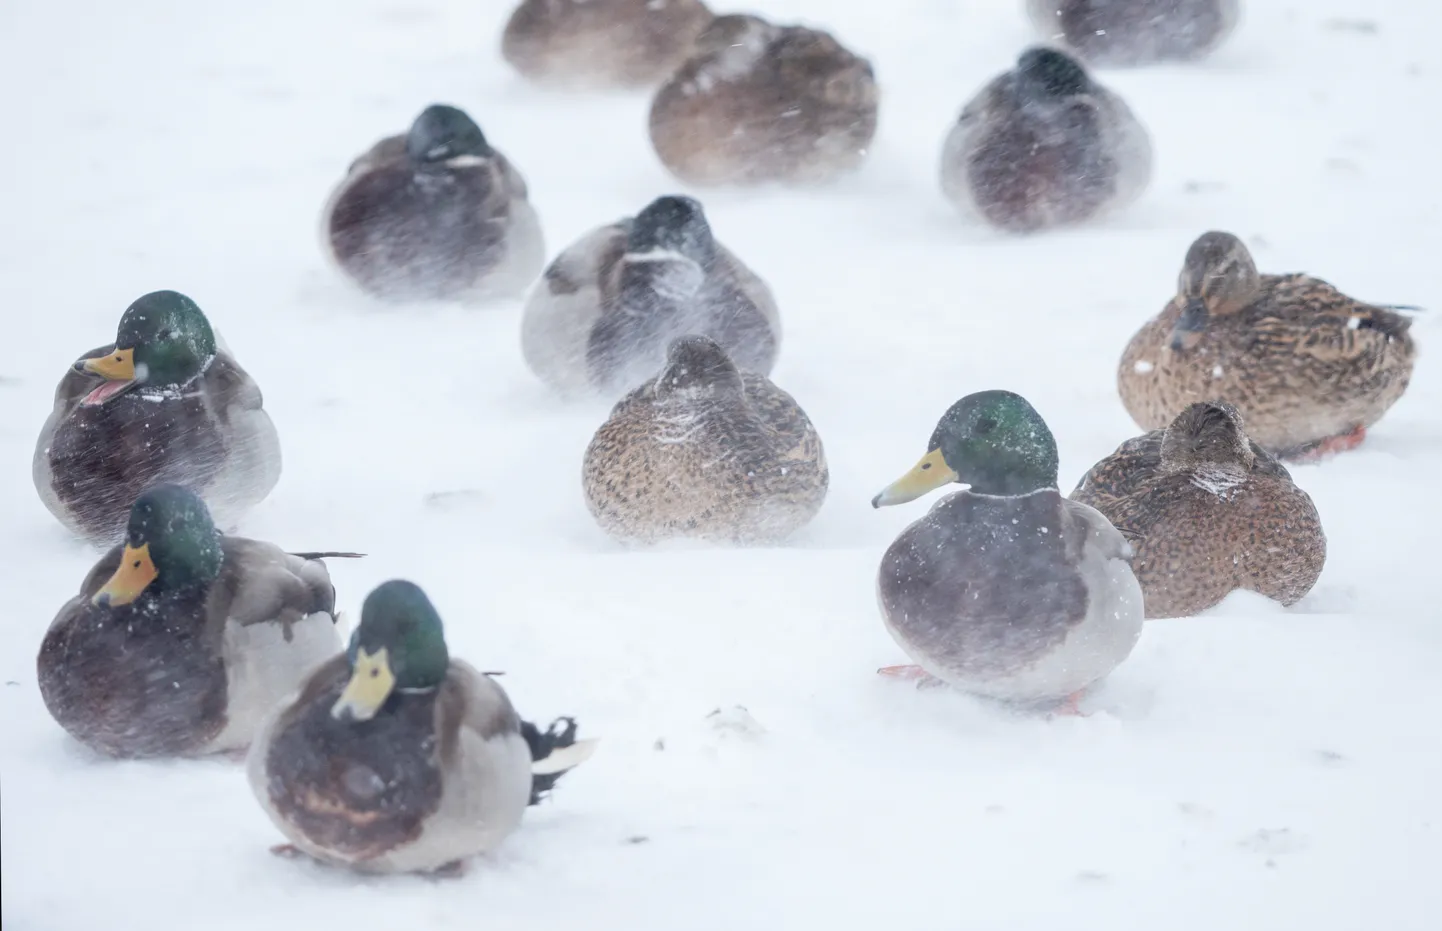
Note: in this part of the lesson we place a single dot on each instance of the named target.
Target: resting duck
(608, 307)
(1309, 368)
(395, 757)
(706, 451)
(601, 43)
(1136, 32)
(435, 214)
(757, 103)
(163, 403)
(1005, 590)
(1208, 512)
(1044, 145)
(183, 639)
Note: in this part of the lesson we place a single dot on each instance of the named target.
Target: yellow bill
(134, 575)
(929, 474)
(371, 683)
(117, 366)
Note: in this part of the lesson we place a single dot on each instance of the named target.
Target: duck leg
(288, 851)
(922, 678)
(1322, 449)
(1070, 707)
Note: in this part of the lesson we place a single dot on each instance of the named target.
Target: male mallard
(756, 102)
(395, 757)
(707, 451)
(1136, 32)
(182, 640)
(1208, 512)
(163, 403)
(1309, 368)
(601, 43)
(435, 214)
(609, 305)
(1006, 589)
(1044, 145)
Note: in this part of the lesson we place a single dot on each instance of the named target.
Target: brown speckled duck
(1208, 512)
(1309, 368)
(705, 451)
(609, 306)
(596, 44)
(434, 214)
(757, 102)
(1044, 145)
(1136, 32)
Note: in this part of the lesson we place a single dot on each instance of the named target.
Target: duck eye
(985, 425)
(375, 671)
(136, 564)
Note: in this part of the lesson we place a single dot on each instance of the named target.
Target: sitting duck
(1005, 590)
(1126, 33)
(756, 103)
(1308, 368)
(609, 306)
(182, 639)
(705, 451)
(396, 757)
(1208, 512)
(594, 44)
(163, 403)
(1044, 145)
(435, 214)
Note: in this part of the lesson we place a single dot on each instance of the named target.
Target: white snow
(1254, 768)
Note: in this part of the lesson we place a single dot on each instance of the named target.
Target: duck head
(1206, 435)
(697, 366)
(171, 545)
(398, 645)
(1043, 73)
(672, 224)
(163, 341)
(443, 133)
(1218, 278)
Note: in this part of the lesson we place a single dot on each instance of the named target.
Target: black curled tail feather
(561, 733)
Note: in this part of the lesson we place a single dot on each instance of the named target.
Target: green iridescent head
(171, 545)
(399, 644)
(164, 340)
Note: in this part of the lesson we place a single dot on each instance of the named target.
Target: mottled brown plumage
(1208, 512)
(601, 43)
(1300, 360)
(1136, 32)
(757, 102)
(705, 451)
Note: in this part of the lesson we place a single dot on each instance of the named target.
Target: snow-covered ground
(1257, 768)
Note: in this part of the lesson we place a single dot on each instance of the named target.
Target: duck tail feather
(554, 753)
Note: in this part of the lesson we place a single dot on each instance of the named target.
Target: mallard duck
(756, 103)
(1005, 590)
(1208, 512)
(163, 403)
(1136, 32)
(601, 43)
(1044, 145)
(395, 757)
(609, 306)
(183, 639)
(435, 214)
(705, 450)
(1309, 368)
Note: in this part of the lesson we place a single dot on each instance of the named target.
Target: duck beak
(929, 474)
(1189, 326)
(133, 576)
(371, 683)
(118, 365)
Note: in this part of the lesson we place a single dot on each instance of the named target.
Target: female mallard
(1044, 145)
(756, 103)
(1136, 32)
(601, 43)
(163, 403)
(1309, 368)
(182, 640)
(705, 451)
(395, 758)
(609, 305)
(1208, 512)
(1007, 589)
(435, 214)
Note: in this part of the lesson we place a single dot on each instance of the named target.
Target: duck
(436, 214)
(397, 757)
(1005, 590)
(601, 44)
(1309, 368)
(705, 451)
(165, 402)
(182, 638)
(1044, 145)
(1208, 512)
(605, 311)
(757, 103)
(1128, 33)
